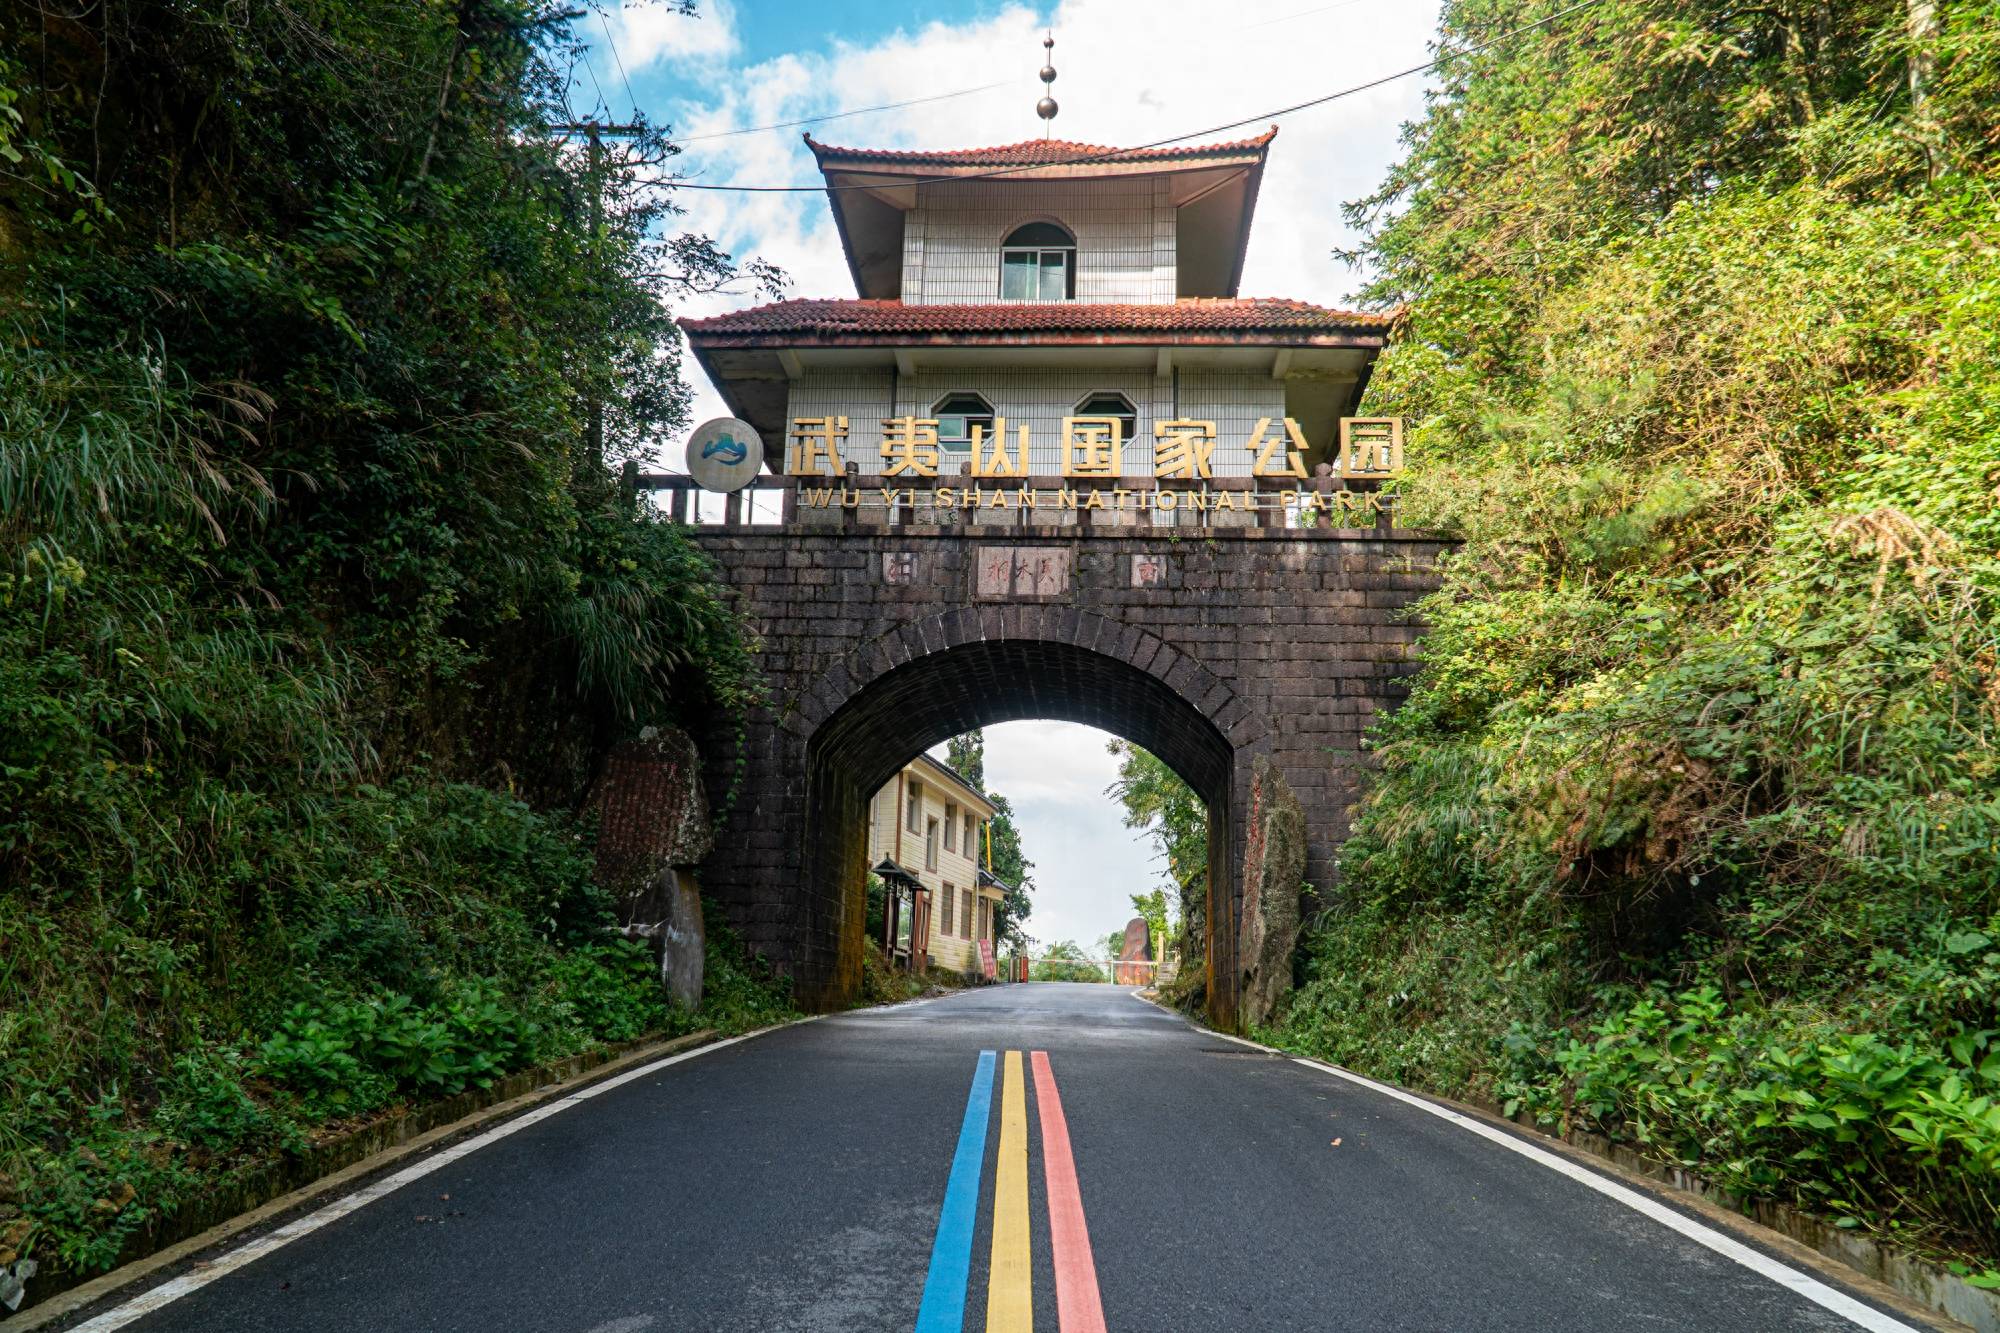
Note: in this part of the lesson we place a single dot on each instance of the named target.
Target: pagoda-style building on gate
(1088, 295)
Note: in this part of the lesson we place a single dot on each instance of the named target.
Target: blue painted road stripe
(943, 1310)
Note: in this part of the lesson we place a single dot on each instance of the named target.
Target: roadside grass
(84, 1169)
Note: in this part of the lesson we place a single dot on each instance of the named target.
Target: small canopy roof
(889, 870)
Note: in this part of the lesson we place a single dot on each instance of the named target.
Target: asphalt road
(796, 1181)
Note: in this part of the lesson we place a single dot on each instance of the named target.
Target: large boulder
(1274, 871)
(652, 810)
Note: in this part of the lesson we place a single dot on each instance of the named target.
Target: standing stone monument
(1274, 867)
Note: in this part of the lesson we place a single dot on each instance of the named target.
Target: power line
(612, 42)
(842, 115)
(602, 100)
(1113, 154)
(1303, 14)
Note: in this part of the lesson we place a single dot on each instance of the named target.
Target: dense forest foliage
(1690, 831)
(318, 596)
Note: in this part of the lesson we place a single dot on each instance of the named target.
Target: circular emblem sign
(724, 454)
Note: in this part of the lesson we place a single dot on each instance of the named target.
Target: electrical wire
(602, 100)
(1114, 154)
(612, 42)
(842, 115)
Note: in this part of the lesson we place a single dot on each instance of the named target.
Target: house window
(967, 907)
(971, 836)
(951, 826)
(950, 898)
(1112, 405)
(916, 806)
(930, 844)
(1038, 263)
(956, 415)
(985, 919)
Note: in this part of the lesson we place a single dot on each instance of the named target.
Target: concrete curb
(255, 1195)
(1913, 1287)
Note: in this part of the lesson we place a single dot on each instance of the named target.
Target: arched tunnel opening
(905, 711)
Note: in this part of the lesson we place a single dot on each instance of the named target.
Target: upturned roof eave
(1360, 336)
(962, 162)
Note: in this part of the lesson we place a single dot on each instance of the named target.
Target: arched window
(1112, 405)
(1038, 263)
(957, 414)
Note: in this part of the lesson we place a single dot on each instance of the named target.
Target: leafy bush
(1686, 831)
(611, 990)
(316, 608)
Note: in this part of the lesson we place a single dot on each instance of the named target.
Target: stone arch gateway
(1240, 656)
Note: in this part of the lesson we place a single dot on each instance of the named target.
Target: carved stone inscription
(1022, 571)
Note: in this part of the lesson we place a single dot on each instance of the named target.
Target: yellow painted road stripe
(1010, 1301)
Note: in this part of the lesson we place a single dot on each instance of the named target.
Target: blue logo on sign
(730, 451)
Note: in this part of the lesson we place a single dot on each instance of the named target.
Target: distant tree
(1065, 960)
(966, 755)
(1158, 801)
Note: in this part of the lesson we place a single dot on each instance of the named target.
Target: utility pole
(1923, 28)
(596, 131)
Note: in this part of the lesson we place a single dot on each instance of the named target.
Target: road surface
(1034, 1156)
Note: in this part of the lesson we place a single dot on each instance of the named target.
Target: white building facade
(1038, 285)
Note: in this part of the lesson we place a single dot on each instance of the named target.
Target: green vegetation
(1065, 960)
(1687, 833)
(1155, 799)
(883, 984)
(318, 598)
(966, 755)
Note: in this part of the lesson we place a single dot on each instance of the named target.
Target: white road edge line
(1812, 1289)
(242, 1257)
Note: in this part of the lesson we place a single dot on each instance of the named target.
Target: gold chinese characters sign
(1342, 509)
(1371, 449)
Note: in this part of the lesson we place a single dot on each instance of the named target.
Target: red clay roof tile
(861, 318)
(1039, 152)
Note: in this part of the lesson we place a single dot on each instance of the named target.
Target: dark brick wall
(1253, 641)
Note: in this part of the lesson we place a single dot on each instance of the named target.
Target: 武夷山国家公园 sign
(1365, 506)
(1092, 448)
(994, 474)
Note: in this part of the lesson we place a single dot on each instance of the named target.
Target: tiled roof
(1040, 152)
(856, 318)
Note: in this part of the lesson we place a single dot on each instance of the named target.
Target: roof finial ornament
(1046, 108)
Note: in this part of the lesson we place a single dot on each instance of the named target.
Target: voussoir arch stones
(1133, 646)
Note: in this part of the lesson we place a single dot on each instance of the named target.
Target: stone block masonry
(1209, 648)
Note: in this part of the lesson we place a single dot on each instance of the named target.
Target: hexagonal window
(1111, 405)
(957, 414)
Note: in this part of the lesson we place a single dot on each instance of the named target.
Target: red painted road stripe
(1078, 1309)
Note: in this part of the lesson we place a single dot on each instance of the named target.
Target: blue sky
(1129, 71)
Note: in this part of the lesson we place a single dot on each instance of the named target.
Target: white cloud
(1127, 75)
(1087, 863)
(647, 34)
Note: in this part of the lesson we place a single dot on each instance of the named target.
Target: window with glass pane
(1112, 405)
(1038, 263)
(956, 415)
